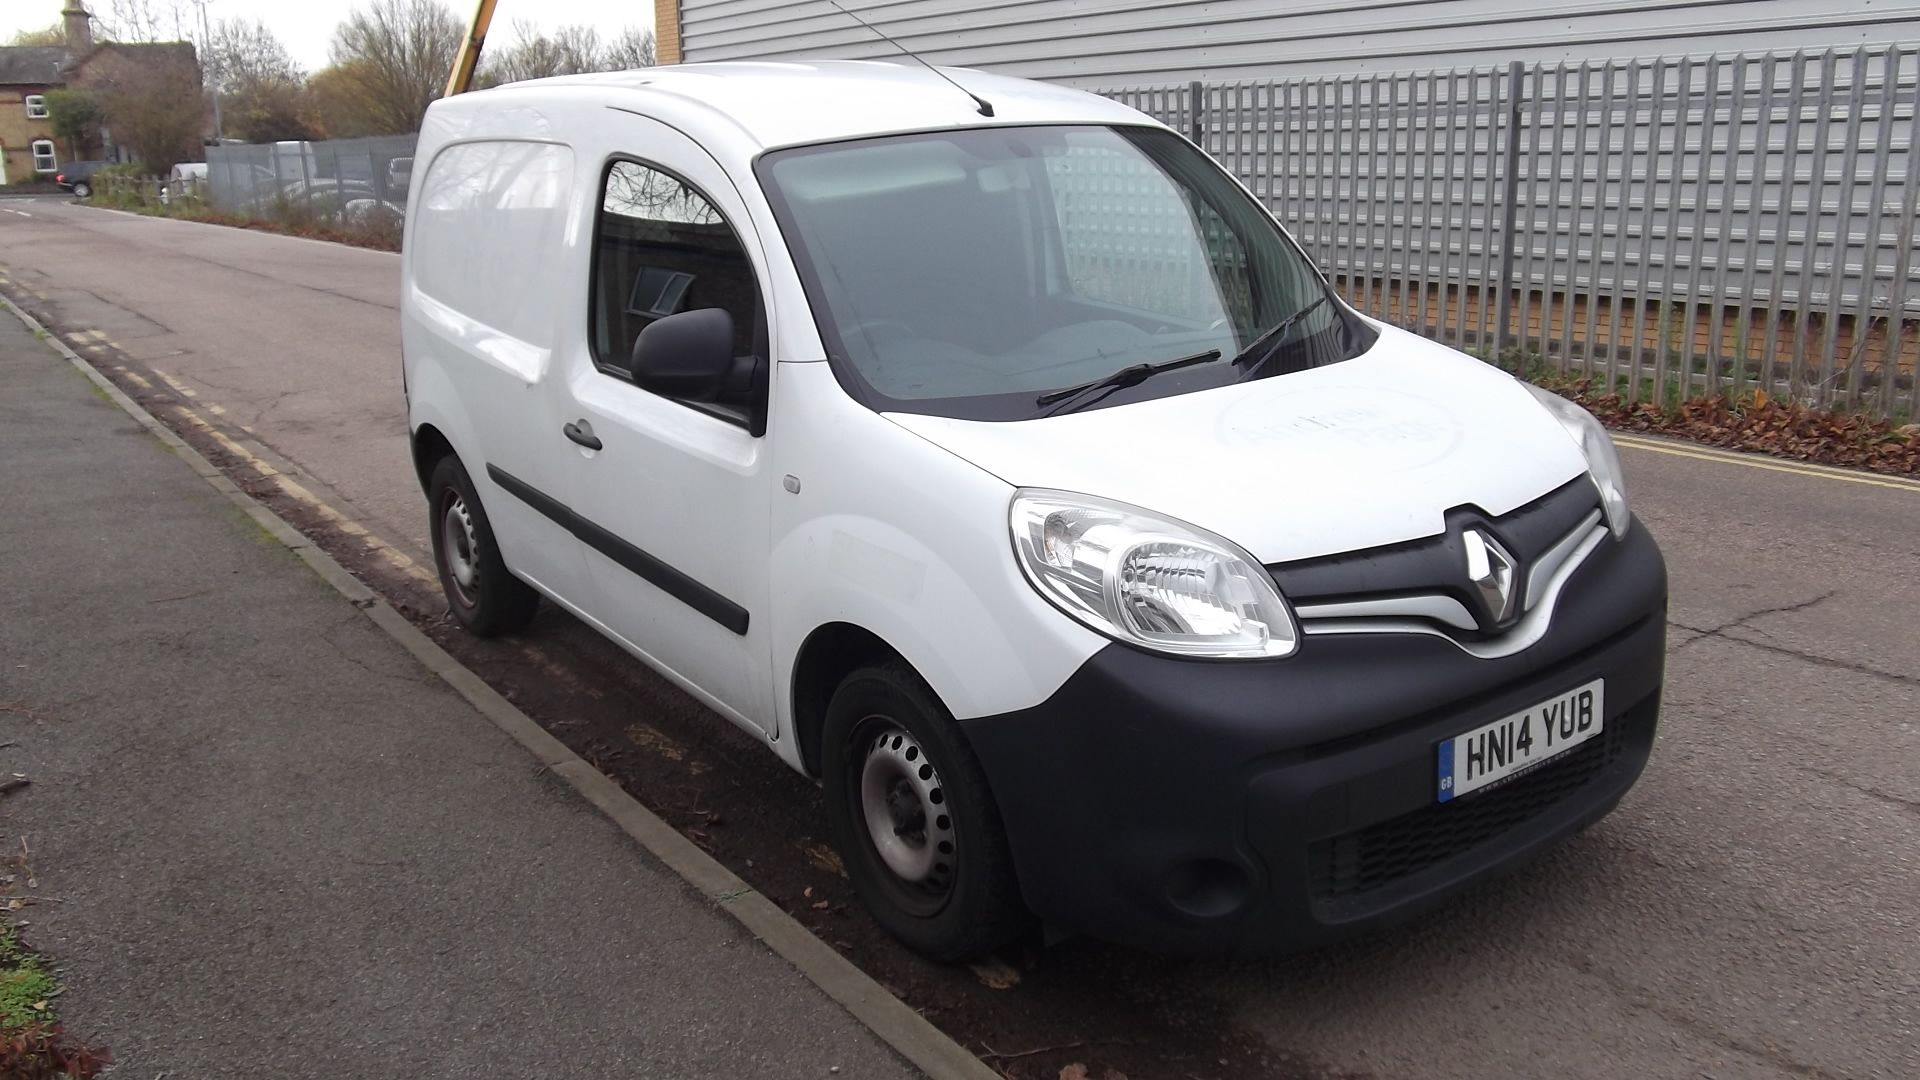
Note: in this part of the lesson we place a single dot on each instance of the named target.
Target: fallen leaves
(42, 1051)
(648, 738)
(1759, 422)
(996, 975)
(823, 858)
(1077, 1071)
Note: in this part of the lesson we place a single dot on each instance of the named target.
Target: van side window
(661, 248)
(488, 218)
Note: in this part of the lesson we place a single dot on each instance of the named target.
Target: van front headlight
(1147, 579)
(1603, 461)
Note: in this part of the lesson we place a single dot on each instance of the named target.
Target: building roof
(137, 51)
(33, 65)
(56, 65)
(785, 104)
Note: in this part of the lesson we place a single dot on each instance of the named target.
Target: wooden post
(464, 61)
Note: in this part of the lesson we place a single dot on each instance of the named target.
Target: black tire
(491, 601)
(974, 905)
(82, 190)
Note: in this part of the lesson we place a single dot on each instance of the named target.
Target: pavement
(268, 842)
(1750, 911)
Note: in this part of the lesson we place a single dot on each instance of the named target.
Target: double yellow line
(1757, 461)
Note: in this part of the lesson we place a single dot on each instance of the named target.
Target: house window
(43, 159)
(36, 106)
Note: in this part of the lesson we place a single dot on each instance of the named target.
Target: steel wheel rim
(459, 549)
(902, 803)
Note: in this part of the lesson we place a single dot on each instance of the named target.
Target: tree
(395, 56)
(145, 20)
(262, 90)
(570, 51)
(333, 101)
(77, 116)
(151, 98)
(634, 48)
(533, 55)
(52, 35)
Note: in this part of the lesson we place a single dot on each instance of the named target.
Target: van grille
(1349, 866)
(1435, 565)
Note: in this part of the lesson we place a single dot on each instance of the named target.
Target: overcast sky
(306, 26)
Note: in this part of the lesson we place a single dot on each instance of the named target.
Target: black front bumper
(1195, 806)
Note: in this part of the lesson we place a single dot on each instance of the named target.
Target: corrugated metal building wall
(1101, 44)
(1741, 208)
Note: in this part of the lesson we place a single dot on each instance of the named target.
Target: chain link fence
(341, 180)
(1673, 226)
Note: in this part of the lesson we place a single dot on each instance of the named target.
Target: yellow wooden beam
(464, 61)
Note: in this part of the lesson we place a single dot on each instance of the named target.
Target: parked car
(325, 194)
(187, 180)
(77, 176)
(346, 201)
(998, 461)
(369, 212)
(399, 177)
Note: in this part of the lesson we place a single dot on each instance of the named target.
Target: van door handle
(582, 432)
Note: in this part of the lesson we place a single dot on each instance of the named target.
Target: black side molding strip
(670, 581)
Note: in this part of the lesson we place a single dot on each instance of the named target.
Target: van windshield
(983, 273)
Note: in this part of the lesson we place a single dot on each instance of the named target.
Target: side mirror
(687, 355)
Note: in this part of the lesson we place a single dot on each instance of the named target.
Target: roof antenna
(985, 108)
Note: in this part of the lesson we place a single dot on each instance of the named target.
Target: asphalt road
(1752, 910)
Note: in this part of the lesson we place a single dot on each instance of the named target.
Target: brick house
(27, 145)
(28, 73)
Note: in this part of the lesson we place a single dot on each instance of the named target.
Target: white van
(996, 459)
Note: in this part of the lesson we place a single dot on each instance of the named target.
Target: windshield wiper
(1126, 376)
(1272, 337)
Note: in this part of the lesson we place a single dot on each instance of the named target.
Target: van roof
(787, 103)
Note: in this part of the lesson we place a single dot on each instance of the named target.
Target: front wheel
(481, 592)
(914, 819)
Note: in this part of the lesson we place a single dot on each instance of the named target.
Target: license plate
(1513, 744)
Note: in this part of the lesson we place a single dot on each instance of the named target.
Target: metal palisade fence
(1673, 226)
(332, 178)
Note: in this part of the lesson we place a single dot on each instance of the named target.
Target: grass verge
(33, 1045)
(378, 228)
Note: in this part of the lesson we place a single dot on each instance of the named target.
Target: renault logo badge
(1490, 570)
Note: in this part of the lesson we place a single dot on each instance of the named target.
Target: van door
(673, 502)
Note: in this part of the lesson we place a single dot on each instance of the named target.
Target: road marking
(178, 386)
(394, 557)
(1755, 461)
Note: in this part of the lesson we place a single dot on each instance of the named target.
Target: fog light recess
(1208, 888)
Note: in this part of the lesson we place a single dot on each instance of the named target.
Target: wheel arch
(829, 654)
(429, 446)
